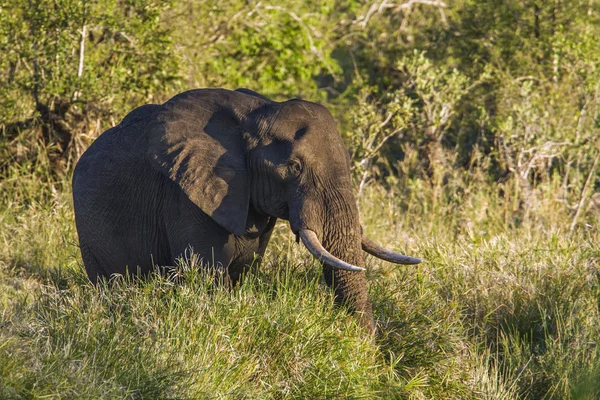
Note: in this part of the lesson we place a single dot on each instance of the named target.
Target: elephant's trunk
(341, 236)
(330, 212)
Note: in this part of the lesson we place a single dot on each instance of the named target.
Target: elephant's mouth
(314, 246)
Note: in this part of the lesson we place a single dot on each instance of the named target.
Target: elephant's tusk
(310, 241)
(376, 250)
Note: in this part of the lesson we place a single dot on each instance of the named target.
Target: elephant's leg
(250, 250)
(265, 237)
(214, 253)
(92, 266)
(190, 231)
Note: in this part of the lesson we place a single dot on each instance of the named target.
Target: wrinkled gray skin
(213, 169)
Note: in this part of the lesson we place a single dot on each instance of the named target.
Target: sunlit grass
(497, 310)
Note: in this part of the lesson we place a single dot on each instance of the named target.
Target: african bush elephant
(213, 169)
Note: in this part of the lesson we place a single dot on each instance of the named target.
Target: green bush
(70, 69)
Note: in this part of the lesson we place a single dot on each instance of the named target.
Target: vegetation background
(474, 131)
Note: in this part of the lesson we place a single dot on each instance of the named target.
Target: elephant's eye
(294, 168)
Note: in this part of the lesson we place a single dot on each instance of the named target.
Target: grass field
(504, 306)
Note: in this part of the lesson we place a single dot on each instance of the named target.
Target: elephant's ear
(197, 141)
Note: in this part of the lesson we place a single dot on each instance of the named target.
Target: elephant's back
(114, 152)
(114, 193)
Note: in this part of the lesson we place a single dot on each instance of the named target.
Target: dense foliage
(474, 130)
(69, 66)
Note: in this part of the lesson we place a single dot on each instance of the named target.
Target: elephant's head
(232, 150)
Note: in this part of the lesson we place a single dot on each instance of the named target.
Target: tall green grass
(503, 307)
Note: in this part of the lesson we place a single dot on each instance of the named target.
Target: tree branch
(81, 51)
(583, 198)
(378, 8)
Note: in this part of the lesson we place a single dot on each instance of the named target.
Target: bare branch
(583, 199)
(410, 3)
(81, 51)
(385, 139)
(378, 8)
(363, 181)
(387, 119)
(374, 8)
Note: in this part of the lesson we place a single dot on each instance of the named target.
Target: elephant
(212, 170)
